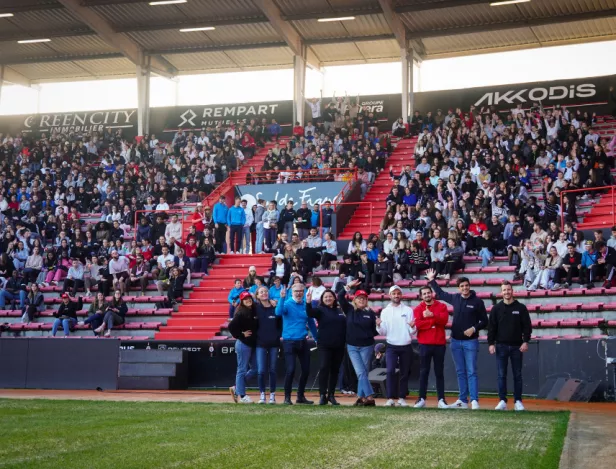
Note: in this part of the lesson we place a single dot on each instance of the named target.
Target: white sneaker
(518, 406)
(474, 405)
(402, 403)
(502, 405)
(246, 400)
(272, 399)
(80, 323)
(390, 403)
(420, 404)
(262, 398)
(442, 404)
(459, 405)
(233, 395)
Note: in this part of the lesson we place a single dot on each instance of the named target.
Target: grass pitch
(88, 434)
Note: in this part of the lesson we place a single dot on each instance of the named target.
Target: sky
(550, 63)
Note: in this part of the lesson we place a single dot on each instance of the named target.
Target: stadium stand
(486, 182)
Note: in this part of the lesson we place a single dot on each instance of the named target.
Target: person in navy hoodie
(332, 338)
(269, 329)
(360, 334)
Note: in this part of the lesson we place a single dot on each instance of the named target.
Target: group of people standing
(346, 324)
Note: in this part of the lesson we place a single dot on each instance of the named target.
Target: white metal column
(143, 98)
(299, 89)
(404, 58)
(411, 91)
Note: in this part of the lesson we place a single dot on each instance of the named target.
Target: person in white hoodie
(174, 229)
(397, 324)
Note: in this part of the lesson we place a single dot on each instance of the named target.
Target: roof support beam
(189, 50)
(286, 31)
(342, 40)
(193, 23)
(11, 76)
(127, 46)
(558, 19)
(65, 58)
(438, 5)
(50, 33)
(394, 22)
(25, 5)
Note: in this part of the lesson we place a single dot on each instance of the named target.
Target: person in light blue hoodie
(234, 297)
(295, 345)
(236, 218)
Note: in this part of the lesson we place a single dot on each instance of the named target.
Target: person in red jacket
(298, 130)
(431, 317)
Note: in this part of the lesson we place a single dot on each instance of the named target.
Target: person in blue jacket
(236, 218)
(332, 339)
(275, 289)
(234, 297)
(295, 345)
(588, 263)
(219, 216)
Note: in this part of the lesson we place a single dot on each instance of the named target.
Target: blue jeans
(266, 364)
(246, 239)
(486, 257)
(259, 241)
(66, 325)
(360, 358)
(6, 295)
(246, 358)
(464, 353)
(504, 353)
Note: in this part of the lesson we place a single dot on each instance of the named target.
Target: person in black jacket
(365, 271)
(360, 334)
(509, 331)
(115, 314)
(269, 330)
(383, 272)
(606, 261)
(66, 315)
(332, 338)
(287, 217)
(303, 221)
(243, 327)
(569, 268)
(176, 285)
(469, 317)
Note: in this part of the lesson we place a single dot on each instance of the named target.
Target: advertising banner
(309, 192)
(167, 120)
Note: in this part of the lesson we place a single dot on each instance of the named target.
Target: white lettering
(262, 109)
(115, 119)
(555, 89)
(218, 112)
(241, 110)
(207, 112)
(229, 111)
(128, 115)
(67, 119)
(533, 96)
(92, 118)
(586, 91)
(56, 120)
(81, 119)
(273, 108)
(487, 96)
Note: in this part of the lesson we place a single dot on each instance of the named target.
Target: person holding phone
(332, 339)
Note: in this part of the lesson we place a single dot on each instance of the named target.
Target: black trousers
(221, 238)
(427, 354)
(567, 274)
(330, 359)
(379, 279)
(235, 240)
(73, 285)
(296, 349)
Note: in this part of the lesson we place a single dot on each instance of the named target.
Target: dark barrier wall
(213, 364)
(310, 192)
(59, 364)
(586, 94)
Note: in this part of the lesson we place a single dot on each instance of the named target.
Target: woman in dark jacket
(243, 327)
(114, 315)
(332, 338)
(269, 330)
(34, 304)
(360, 334)
(280, 268)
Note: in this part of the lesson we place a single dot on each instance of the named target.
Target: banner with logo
(71, 122)
(167, 120)
(587, 94)
(309, 192)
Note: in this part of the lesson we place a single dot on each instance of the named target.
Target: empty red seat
(549, 323)
(592, 322)
(590, 306)
(547, 337)
(573, 322)
(549, 308)
(536, 323)
(572, 336)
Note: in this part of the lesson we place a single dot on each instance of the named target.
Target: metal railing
(298, 175)
(610, 189)
(337, 205)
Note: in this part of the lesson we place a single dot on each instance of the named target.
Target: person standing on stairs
(469, 317)
(236, 218)
(269, 330)
(332, 340)
(243, 327)
(220, 225)
(295, 345)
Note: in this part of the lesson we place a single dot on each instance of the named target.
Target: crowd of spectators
(483, 183)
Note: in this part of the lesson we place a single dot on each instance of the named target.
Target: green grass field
(87, 434)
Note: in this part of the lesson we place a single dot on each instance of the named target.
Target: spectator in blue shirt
(236, 217)
(274, 130)
(219, 216)
(234, 296)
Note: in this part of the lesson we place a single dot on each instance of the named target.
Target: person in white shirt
(174, 229)
(397, 324)
(315, 107)
(250, 218)
(163, 205)
(119, 270)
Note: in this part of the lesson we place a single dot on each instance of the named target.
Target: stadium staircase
(361, 221)
(206, 311)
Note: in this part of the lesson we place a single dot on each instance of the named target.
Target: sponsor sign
(311, 193)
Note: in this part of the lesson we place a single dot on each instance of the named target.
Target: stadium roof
(106, 38)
